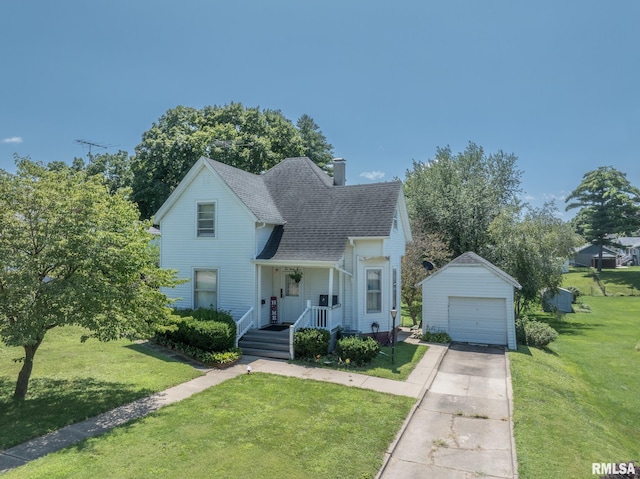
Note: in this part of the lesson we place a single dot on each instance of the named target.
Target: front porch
(275, 340)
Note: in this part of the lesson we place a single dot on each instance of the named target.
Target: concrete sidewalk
(462, 427)
(445, 434)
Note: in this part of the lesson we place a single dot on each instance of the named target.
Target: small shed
(561, 301)
(472, 300)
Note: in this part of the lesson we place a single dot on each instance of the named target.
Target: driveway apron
(462, 428)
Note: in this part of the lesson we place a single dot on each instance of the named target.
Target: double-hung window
(206, 219)
(205, 289)
(374, 290)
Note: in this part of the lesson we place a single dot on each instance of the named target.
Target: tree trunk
(600, 259)
(25, 373)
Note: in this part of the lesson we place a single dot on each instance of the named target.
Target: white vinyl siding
(230, 254)
(206, 219)
(460, 297)
(374, 290)
(205, 289)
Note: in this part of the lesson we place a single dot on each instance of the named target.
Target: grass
(72, 381)
(255, 425)
(579, 402)
(407, 356)
(612, 282)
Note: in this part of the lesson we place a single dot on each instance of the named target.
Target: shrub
(576, 293)
(204, 329)
(441, 337)
(521, 337)
(205, 314)
(358, 350)
(207, 335)
(310, 342)
(534, 333)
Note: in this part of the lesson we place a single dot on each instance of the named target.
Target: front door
(290, 296)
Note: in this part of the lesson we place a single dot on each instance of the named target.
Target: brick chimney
(339, 171)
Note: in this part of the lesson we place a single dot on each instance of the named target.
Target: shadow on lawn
(573, 328)
(165, 354)
(54, 403)
(629, 278)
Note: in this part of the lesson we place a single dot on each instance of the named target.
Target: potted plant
(296, 275)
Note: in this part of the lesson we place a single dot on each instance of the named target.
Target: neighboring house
(630, 250)
(273, 248)
(587, 255)
(472, 300)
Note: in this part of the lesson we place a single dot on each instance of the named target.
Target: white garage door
(478, 320)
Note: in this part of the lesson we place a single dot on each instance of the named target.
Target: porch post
(330, 300)
(258, 316)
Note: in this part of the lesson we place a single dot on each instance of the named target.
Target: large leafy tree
(113, 168)
(247, 138)
(72, 253)
(531, 244)
(609, 204)
(458, 195)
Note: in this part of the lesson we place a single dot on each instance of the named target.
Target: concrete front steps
(266, 344)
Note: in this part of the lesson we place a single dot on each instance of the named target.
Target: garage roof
(471, 259)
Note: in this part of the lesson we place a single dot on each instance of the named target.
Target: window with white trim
(205, 289)
(374, 290)
(206, 219)
(394, 289)
(395, 220)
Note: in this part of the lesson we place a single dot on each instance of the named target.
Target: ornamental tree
(609, 204)
(72, 253)
(424, 247)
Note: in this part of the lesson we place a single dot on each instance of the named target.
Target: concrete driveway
(462, 428)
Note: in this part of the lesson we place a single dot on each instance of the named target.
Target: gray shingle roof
(316, 218)
(472, 259)
(251, 190)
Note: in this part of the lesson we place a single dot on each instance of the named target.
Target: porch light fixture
(394, 312)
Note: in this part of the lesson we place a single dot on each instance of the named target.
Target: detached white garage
(472, 300)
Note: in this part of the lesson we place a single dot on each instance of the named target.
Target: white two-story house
(292, 246)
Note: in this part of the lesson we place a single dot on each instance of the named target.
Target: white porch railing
(244, 324)
(319, 317)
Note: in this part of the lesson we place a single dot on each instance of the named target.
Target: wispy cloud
(529, 198)
(12, 139)
(372, 175)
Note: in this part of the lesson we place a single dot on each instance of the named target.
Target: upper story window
(395, 220)
(206, 219)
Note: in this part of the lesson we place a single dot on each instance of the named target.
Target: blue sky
(556, 83)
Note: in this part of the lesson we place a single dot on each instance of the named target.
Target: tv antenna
(91, 144)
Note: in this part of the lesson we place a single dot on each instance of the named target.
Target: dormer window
(206, 220)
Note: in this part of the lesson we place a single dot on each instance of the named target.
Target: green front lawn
(406, 357)
(72, 381)
(579, 403)
(256, 425)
